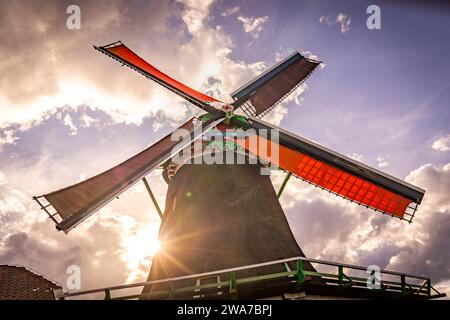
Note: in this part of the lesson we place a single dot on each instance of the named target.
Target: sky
(68, 112)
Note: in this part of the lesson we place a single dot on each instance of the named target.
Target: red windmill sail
(123, 54)
(336, 173)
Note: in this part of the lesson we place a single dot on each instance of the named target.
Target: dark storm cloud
(318, 223)
(43, 255)
(380, 256)
(432, 257)
(23, 249)
(378, 223)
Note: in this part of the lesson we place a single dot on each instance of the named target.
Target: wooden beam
(152, 196)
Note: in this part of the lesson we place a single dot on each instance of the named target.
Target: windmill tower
(222, 216)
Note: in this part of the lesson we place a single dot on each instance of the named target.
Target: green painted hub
(223, 144)
(241, 119)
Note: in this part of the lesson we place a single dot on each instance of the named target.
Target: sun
(139, 247)
(154, 246)
(138, 250)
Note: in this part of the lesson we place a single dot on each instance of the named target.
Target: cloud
(430, 252)
(355, 156)
(88, 121)
(230, 11)
(254, 26)
(344, 20)
(382, 162)
(7, 137)
(442, 144)
(49, 67)
(117, 236)
(68, 122)
(282, 54)
(277, 114)
(310, 55)
(195, 13)
(341, 18)
(331, 228)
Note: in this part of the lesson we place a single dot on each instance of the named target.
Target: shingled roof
(20, 283)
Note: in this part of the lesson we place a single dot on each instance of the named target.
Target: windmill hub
(225, 107)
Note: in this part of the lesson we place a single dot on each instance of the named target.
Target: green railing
(339, 280)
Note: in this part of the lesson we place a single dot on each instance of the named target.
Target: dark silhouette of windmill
(220, 216)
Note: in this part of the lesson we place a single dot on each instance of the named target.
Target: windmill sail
(123, 54)
(75, 203)
(263, 93)
(339, 174)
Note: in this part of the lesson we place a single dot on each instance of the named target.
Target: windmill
(220, 216)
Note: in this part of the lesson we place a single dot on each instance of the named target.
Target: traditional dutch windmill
(220, 216)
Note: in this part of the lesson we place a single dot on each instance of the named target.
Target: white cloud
(442, 144)
(382, 162)
(195, 14)
(279, 56)
(7, 137)
(326, 20)
(344, 20)
(355, 156)
(254, 26)
(341, 18)
(310, 55)
(277, 114)
(68, 122)
(230, 11)
(87, 121)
